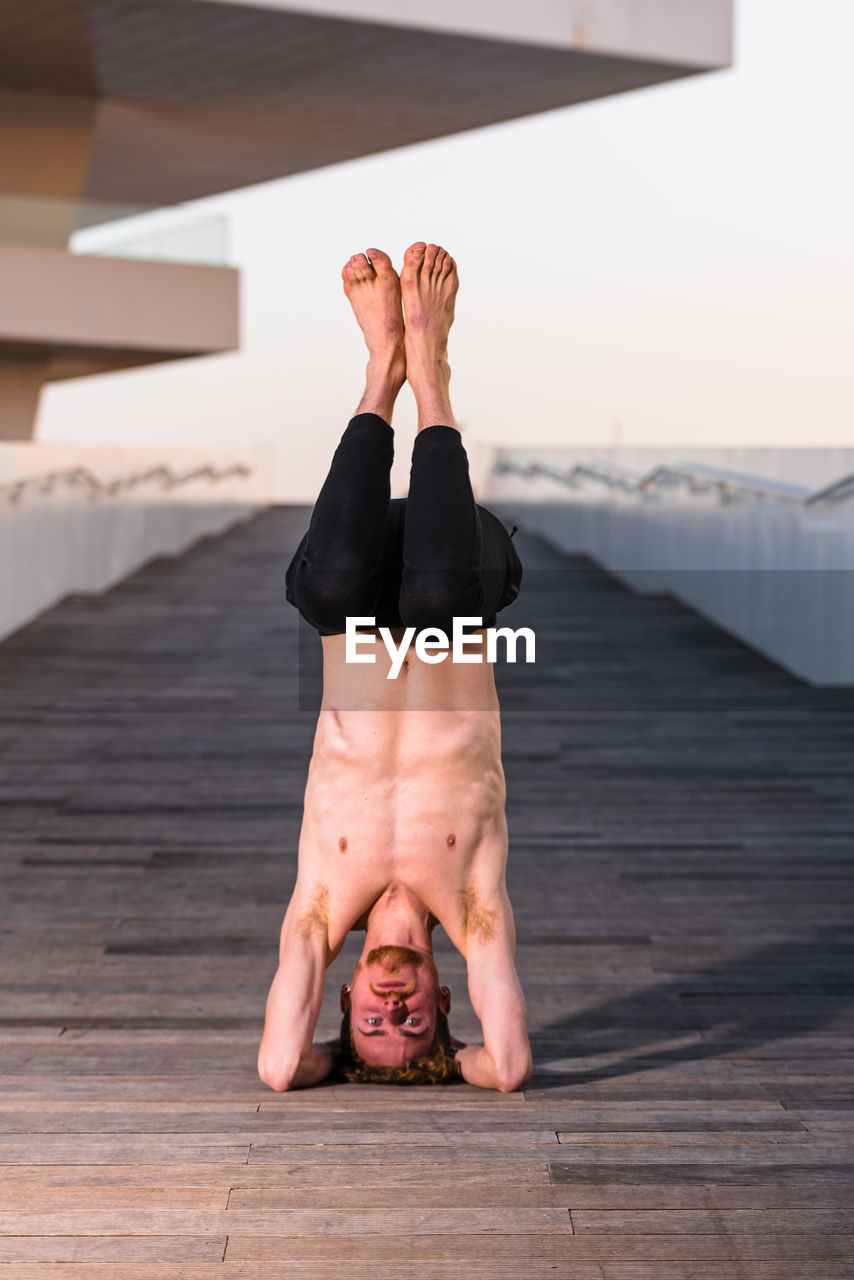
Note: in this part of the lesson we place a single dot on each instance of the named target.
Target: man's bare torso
(405, 792)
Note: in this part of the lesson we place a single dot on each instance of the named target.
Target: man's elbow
(278, 1076)
(280, 1082)
(512, 1076)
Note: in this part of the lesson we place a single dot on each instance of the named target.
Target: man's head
(395, 1024)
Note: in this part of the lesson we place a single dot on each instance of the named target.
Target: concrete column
(45, 150)
(20, 388)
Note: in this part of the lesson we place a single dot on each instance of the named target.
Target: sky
(671, 266)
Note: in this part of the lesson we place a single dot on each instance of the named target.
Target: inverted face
(393, 1000)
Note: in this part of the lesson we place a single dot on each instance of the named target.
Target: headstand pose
(404, 823)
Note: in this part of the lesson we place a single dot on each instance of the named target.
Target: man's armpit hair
(479, 920)
(315, 919)
(438, 1066)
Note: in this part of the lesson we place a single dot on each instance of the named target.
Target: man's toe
(379, 260)
(414, 255)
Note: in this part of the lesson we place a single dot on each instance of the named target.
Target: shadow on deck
(682, 822)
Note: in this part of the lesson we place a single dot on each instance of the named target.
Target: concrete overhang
(184, 98)
(685, 31)
(78, 315)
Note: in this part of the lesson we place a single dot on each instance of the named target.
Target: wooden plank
(49, 1149)
(825, 1120)
(564, 1249)
(714, 1221)
(479, 1269)
(50, 1110)
(503, 1191)
(257, 1129)
(495, 1136)
(498, 1193)
(122, 1249)
(671, 1137)
(330, 1173)
(328, 1221)
(668, 1172)
(750, 1151)
(666, 1110)
(444, 1155)
(57, 1200)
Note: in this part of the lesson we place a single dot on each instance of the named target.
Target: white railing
(692, 477)
(83, 478)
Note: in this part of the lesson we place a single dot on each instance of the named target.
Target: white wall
(777, 574)
(65, 535)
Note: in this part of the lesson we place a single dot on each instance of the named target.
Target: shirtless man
(404, 823)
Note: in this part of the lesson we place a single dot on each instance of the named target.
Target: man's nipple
(342, 845)
(452, 840)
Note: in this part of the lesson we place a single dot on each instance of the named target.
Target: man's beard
(391, 956)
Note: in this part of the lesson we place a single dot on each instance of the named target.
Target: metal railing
(694, 478)
(83, 478)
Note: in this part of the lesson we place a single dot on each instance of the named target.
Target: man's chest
(447, 866)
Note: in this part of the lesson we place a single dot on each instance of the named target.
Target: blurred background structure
(110, 109)
(664, 276)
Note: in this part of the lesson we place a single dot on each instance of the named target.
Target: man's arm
(287, 1058)
(504, 1061)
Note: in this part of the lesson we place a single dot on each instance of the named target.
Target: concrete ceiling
(192, 97)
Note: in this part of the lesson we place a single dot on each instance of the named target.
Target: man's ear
(444, 1002)
(345, 997)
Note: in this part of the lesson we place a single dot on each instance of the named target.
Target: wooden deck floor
(682, 821)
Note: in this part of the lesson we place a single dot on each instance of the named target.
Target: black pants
(418, 561)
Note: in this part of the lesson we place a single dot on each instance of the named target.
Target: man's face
(393, 1000)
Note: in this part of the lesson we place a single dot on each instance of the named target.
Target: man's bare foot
(372, 287)
(429, 284)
